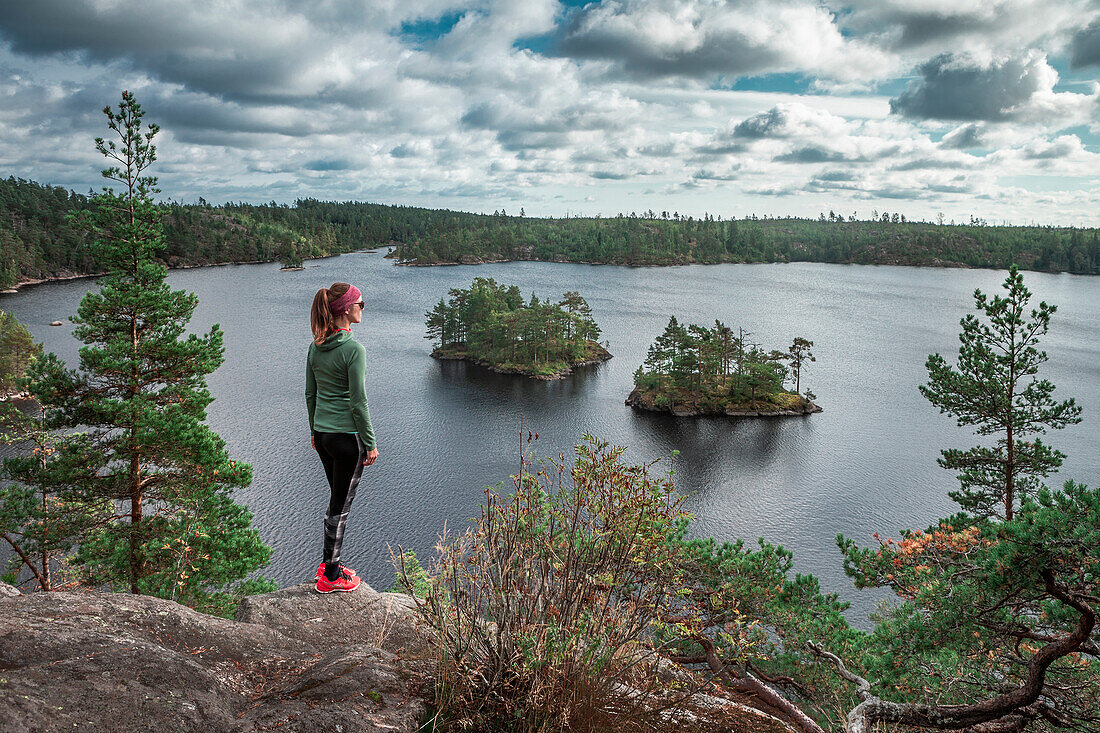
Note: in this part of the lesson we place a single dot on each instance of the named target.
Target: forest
(490, 323)
(41, 236)
(716, 370)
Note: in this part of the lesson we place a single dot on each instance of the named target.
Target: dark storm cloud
(952, 88)
(1085, 48)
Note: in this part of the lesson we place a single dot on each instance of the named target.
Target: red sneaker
(343, 583)
(343, 569)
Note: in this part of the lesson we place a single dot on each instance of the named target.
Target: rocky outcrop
(292, 660)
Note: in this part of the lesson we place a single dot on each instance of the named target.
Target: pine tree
(995, 389)
(799, 353)
(17, 348)
(139, 403)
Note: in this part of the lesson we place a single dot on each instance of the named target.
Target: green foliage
(995, 388)
(152, 482)
(545, 611)
(491, 323)
(983, 601)
(994, 624)
(17, 348)
(411, 575)
(551, 613)
(39, 517)
(713, 369)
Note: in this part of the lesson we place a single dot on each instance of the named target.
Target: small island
(490, 324)
(693, 371)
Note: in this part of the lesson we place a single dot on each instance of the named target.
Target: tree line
(491, 322)
(39, 238)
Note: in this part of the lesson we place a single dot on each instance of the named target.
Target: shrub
(549, 613)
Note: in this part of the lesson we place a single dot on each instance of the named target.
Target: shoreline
(601, 356)
(636, 401)
(65, 278)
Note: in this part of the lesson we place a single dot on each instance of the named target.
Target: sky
(965, 108)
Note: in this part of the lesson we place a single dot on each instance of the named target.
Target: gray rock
(56, 323)
(9, 591)
(101, 661)
(383, 620)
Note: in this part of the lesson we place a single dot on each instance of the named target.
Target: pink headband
(344, 302)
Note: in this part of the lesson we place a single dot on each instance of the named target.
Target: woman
(339, 419)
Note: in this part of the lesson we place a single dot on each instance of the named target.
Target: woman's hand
(312, 442)
(370, 457)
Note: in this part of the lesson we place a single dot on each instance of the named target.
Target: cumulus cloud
(976, 26)
(789, 120)
(964, 137)
(701, 40)
(1085, 49)
(964, 87)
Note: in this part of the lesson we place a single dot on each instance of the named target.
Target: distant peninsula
(491, 325)
(694, 371)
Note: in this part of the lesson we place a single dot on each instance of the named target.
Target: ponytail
(321, 321)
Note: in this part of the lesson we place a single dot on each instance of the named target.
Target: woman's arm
(311, 389)
(360, 411)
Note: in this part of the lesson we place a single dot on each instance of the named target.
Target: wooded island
(490, 324)
(693, 370)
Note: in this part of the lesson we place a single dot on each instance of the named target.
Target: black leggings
(342, 456)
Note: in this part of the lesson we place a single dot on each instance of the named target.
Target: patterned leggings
(342, 456)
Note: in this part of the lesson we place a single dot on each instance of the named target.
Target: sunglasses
(361, 304)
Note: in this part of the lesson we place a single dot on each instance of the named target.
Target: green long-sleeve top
(336, 396)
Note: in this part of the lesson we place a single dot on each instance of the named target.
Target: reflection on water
(447, 429)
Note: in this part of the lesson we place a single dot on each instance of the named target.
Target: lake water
(446, 430)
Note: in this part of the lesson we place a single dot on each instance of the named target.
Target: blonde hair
(321, 320)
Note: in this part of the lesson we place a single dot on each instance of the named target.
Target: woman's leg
(344, 451)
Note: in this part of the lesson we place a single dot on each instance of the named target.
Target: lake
(446, 430)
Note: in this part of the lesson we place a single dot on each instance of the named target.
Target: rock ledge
(293, 660)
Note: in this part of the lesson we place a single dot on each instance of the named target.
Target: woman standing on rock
(339, 419)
